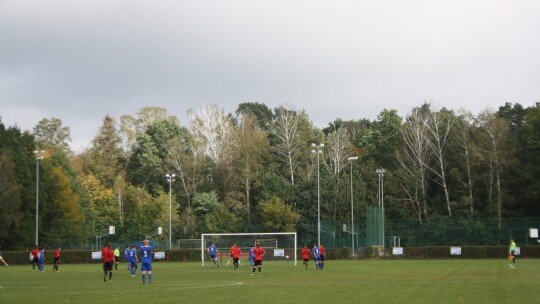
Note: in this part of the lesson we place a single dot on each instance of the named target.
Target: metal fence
(369, 231)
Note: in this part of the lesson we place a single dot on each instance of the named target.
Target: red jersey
(107, 255)
(259, 252)
(57, 253)
(321, 250)
(35, 253)
(236, 252)
(306, 253)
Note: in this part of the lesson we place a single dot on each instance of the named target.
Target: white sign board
(279, 252)
(533, 233)
(111, 229)
(455, 250)
(96, 255)
(159, 255)
(397, 250)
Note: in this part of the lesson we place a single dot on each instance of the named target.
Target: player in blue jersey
(213, 251)
(316, 256)
(251, 257)
(146, 248)
(126, 257)
(133, 260)
(41, 259)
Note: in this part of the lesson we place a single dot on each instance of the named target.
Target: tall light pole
(380, 172)
(318, 151)
(170, 179)
(351, 159)
(39, 156)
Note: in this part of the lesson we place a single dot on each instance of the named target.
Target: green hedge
(467, 252)
(85, 256)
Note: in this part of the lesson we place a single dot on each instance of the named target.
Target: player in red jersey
(259, 252)
(306, 252)
(35, 257)
(56, 259)
(236, 252)
(107, 255)
(322, 253)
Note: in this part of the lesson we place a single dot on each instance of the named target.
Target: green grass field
(367, 281)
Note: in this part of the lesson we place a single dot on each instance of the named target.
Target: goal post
(275, 240)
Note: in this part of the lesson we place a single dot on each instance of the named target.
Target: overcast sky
(80, 60)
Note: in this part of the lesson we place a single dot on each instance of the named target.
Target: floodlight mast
(351, 159)
(170, 179)
(380, 172)
(39, 154)
(318, 151)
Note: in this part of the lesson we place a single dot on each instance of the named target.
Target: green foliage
(102, 208)
(143, 213)
(147, 163)
(105, 158)
(204, 203)
(259, 110)
(10, 196)
(219, 219)
(227, 174)
(278, 216)
(212, 215)
(49, 133)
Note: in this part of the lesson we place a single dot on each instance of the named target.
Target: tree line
(259, 169)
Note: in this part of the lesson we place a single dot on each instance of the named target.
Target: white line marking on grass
(511, 266)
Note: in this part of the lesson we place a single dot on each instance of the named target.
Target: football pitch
(359, 281)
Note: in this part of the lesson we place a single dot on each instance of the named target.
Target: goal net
(278, 245)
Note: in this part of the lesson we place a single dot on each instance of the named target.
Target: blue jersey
(41, 256)
(132, 255)
(316, 254)
(212, 250)
(126, 254)
(251, 254)
(146, 252)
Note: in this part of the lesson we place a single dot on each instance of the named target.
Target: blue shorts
(146, 266)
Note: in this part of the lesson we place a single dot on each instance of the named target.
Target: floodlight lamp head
(39, 154)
